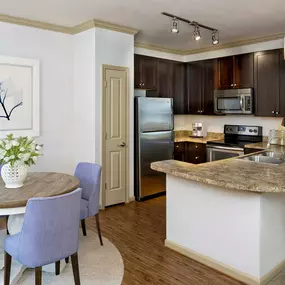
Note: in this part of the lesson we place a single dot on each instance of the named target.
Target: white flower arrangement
(22, 149)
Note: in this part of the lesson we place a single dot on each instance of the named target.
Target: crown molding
(35, 24)
(104, 25)
(239, 43)
(67, 30)
(158, 48)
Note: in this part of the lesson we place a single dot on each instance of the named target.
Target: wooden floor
(138, 231)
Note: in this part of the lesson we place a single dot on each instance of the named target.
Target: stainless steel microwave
(233, 101)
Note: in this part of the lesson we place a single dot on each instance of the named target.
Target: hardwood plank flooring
(138, 231)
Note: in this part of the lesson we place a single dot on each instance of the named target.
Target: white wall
(83, 126)
(216, 123)
(117, 49)
(55, 54)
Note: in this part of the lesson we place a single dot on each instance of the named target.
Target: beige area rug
(98, 265)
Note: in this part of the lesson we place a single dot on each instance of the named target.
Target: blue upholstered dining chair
(89, 175)
(50, 233)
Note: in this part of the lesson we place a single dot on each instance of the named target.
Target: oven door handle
(233, 149)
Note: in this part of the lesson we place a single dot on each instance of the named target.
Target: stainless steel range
(236, 137)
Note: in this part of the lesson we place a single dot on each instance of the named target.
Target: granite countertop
(185, 136)
(263, 146)
(230, 173)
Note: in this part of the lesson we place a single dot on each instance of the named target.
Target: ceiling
(236, 20)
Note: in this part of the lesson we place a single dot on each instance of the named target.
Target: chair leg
(57, 268)
(67, 260)
(7, 272)
(75, 268)
(38, 276)
(7, 231)
(83, 227)
(98, 228)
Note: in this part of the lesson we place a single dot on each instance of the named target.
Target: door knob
(123, 144)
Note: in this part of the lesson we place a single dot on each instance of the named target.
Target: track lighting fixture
(175, 26)
(196, 34)
(175, 20)
(215, 38)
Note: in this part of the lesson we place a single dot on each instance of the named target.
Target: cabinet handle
(196, 157)
(232, 85)
(273, 112)
(277, 113)
(143, 84)
(196, 146)
(235, 85)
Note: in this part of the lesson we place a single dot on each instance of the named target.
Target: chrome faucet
(272, 138)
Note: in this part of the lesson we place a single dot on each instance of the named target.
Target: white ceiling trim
(67, 30)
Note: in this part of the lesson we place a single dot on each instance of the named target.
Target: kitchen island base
(240, 233)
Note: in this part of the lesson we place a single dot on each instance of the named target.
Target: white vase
(14, 176)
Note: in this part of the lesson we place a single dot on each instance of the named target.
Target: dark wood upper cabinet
(194, 88)
(145, 72)
(164, 78)
(225, 72)
(267, 82)
(171, 83)
(281, 103)
(200, 87)
(178, 88)
(208, 87)
(235, 71)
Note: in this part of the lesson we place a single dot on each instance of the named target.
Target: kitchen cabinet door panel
(194, 86)
(208, 87)
(149, 72)
(178, 88)
(164, 78)
(225, 72)
(281, 103)
(138, 70)
(266, 77)
(244, 70)
(145, 72)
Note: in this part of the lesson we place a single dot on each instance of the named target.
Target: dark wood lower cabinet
(190, 152)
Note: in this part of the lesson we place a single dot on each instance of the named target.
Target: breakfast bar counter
(229, 215)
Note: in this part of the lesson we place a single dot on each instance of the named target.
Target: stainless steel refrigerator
(154, 141)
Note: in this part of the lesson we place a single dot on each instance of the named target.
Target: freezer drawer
(155, 114)
(154, 146)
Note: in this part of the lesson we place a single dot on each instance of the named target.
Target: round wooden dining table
(13, 205)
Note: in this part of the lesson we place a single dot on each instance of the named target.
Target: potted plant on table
(16, 155)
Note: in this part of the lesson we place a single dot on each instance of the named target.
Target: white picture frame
(24, 75)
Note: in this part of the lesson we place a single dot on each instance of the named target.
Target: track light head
(196, 34)
(175, 26)
(215, 38)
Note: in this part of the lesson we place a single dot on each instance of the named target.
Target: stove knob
(250, 130)
(255, 131)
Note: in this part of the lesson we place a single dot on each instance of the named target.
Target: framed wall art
(19, 96)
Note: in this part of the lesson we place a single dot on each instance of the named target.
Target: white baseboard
(131, 199)
(273, 273)
(223, 268)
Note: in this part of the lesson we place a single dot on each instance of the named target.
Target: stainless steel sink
(266, 157)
